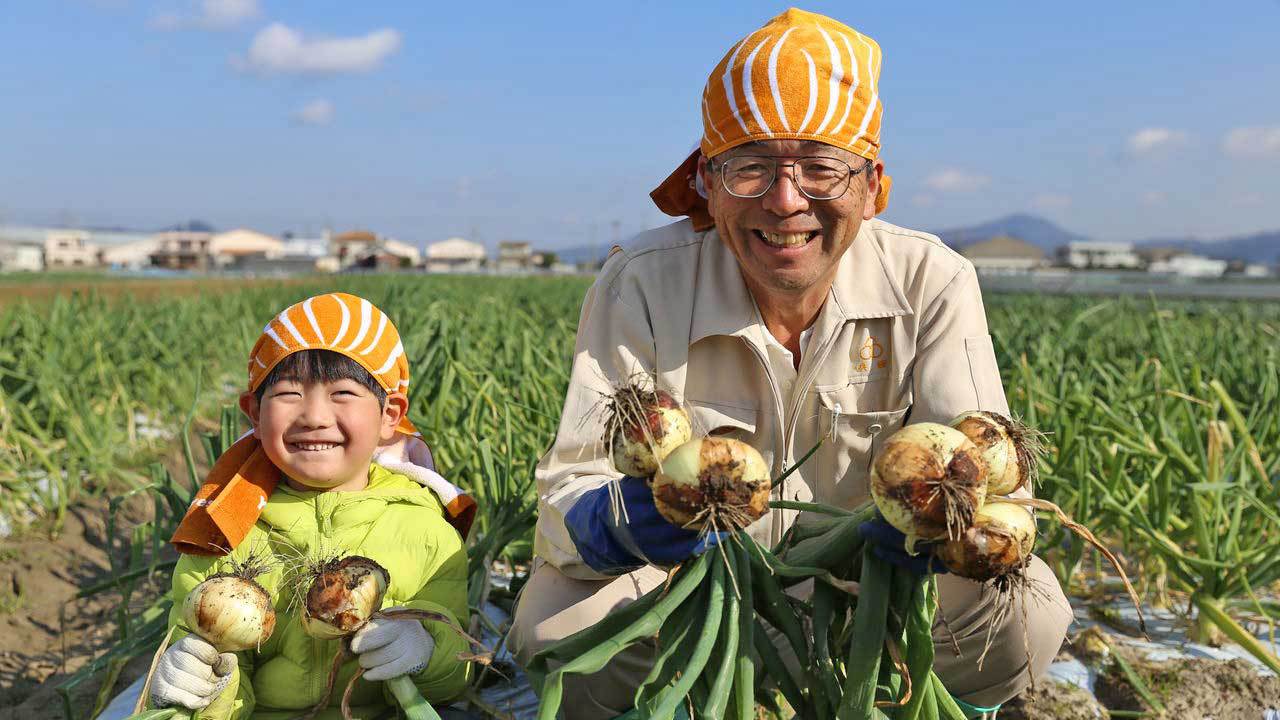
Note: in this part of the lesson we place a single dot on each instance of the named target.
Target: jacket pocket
(984, 373)
(851, 440)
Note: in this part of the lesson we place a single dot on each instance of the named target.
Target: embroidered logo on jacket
(871, 356)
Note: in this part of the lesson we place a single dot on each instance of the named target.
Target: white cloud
(1253, 142)
(1051, 201)
(924, 200)
(316, 112)
(1154, 197)
(954, 180)
(1150, 140)
(279, 48)
(210, 15)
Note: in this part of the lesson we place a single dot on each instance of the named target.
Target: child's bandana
(237, 488)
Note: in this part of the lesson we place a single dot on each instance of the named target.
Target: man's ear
(396, 407)
(704, 174)
(249, 406)
(873, 189)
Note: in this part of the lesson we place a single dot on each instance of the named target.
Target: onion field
(1162, 422)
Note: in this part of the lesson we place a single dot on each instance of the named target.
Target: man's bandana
(237, 488)
(801, 76)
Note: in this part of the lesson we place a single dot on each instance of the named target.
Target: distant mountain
(1259, 248)
(190, 226)
(1035, 230)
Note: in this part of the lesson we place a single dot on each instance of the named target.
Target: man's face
(322, 435)
(783, 240)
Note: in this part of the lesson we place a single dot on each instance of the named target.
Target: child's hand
(191, 673)
(391, 647)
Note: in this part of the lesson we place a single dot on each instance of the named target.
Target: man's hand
(390, 647)
(889, 544)
(191, 673)
(612, 542)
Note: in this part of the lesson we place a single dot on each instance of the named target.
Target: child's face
(321, 435)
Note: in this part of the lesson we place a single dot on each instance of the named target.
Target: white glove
(191, 673)
(390, 647)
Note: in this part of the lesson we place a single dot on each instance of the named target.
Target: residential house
(1095, 255)
(182, 250)
(132, 255)
(234, 247)
(1191, 266)
(69, 248)
(349, 245)
(20, 256)
(367, 250)
(1003, 255)
(455, 255)
(515, 256)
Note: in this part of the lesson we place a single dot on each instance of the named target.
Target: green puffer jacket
(395, 522)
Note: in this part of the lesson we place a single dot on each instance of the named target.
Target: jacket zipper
(775, 516)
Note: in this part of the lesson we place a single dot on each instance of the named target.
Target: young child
(327, 397)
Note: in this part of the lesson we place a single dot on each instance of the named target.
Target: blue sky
(550, 122)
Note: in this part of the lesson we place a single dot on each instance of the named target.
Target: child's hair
(311, 366)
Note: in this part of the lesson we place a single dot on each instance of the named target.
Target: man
(780, 311)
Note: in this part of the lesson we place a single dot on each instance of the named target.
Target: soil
(1217, 689)
(46, 633)
(1051, 700)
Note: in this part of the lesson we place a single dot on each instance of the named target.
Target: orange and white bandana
(238, 485)
(802, 76)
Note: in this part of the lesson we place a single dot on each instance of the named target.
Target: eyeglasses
(817, 178)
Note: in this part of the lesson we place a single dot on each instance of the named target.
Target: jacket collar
(864, 287)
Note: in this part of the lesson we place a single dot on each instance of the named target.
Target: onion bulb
(642, 428)
(998, 543)
(231, 612)
(1008, 448)
(342, 597)
(712, 483)
(927, 481)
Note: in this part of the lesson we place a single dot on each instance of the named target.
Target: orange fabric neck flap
(677, 196)
(229, 502)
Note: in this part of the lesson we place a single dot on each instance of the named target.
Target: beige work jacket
(902, 336)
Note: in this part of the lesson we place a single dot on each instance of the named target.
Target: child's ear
(249, 406)
(396, 406)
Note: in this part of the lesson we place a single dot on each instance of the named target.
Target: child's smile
(322, 434)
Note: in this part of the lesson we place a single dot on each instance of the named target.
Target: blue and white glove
(390, 647)
(889, 544)
(191, 674)
(612, 543)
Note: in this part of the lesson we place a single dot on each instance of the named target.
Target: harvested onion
(642, 428)
(712, 483)
(342, 597)
(998, 543)
(1008, 448)
(928, 482)
(230, 611)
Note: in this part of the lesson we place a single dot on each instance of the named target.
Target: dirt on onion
(643, 426)
(713, 484)
(928, 481)
(231, 610)
(1009, 449)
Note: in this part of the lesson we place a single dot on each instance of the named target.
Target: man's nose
(784, 197)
